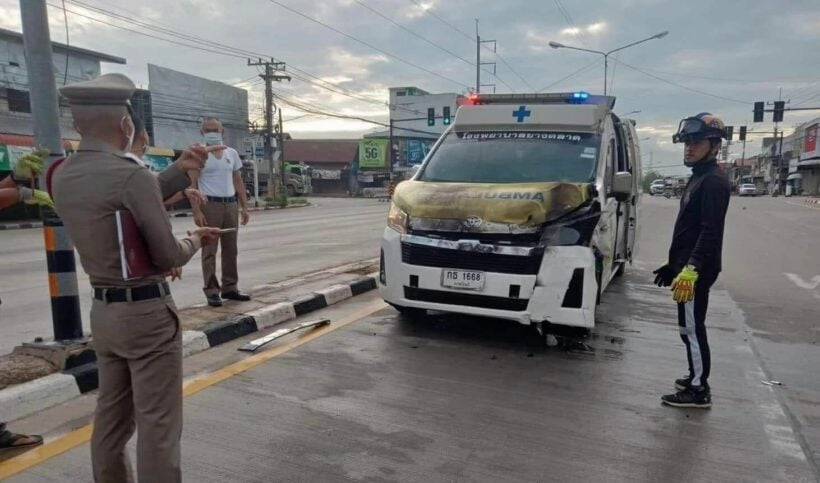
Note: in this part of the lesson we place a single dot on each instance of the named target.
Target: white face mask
(212, 138)
(131, 134)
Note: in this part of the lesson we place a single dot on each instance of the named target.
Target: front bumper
(562, 292)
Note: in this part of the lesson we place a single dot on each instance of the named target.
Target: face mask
(212, 138)
(131, 133)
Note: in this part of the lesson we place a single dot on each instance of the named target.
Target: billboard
(810, 142)
(373, 153)
(417, 150)
(179, 101)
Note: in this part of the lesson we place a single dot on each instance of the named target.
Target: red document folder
(134, 257)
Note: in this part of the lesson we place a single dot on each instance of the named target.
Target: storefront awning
(794, 176)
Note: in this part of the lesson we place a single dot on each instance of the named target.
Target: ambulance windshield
(514, 157)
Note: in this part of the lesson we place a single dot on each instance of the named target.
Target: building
(332, 162)
(805, 179)
(412, 134)
(15, 103)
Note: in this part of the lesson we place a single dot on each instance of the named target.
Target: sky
(718, 57)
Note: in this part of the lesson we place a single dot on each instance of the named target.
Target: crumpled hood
(518, 204)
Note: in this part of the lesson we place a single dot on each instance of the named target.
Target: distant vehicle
(748, 190)
(525, 210)
(657, 187)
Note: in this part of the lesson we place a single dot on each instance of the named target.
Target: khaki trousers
(221, 215)
(139, 356)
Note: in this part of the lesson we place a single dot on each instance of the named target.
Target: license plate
(462, 279)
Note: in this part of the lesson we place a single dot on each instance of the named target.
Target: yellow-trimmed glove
(28, 167)
(683, 286)
(36, 197)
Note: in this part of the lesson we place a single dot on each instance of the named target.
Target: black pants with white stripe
(692, 322)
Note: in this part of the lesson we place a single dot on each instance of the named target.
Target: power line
(234, 51)
(667, 81)
(574, 73)
(377, 49)
(425, 39)
(429, 11)
(306, 107)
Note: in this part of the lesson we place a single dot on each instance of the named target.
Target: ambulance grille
(425, 256)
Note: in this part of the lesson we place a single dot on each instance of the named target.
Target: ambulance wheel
(410, 312)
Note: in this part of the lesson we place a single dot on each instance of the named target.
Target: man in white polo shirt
(222, 183)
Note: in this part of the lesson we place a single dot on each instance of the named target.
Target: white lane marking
(798, 280)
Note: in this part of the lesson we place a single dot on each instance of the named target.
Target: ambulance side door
(607, 230)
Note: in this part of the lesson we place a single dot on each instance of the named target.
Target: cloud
(596, 28)
(350, 64)
(419, 9)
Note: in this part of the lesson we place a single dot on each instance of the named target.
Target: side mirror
(622, 186)
(414, 170)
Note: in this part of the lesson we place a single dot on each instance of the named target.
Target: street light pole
(558, 45)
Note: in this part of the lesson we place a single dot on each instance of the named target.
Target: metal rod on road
(65, 300)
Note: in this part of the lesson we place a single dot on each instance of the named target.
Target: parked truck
(298, 180)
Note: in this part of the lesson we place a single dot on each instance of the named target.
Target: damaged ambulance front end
(504, 219)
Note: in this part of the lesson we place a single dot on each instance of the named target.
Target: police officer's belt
(135, 294)
(220, 199)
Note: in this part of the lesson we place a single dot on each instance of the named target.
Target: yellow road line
(82, 435)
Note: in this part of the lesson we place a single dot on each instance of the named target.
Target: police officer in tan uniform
(135, 325)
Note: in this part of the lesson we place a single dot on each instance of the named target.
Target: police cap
(105, 90)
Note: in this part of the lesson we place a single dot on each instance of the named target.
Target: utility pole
(283, 194)
(478, 63)
(65, 301)
(273, 72)
(779, 149)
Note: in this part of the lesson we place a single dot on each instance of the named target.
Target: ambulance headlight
(397, 219)
(573, 230)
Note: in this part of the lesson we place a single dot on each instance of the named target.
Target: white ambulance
(525, 209)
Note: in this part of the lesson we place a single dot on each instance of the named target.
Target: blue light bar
(579, 97)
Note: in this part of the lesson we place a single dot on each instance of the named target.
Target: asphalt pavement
(274, 246)
(378, 397)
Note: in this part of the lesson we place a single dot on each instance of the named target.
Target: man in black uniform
(695, 255)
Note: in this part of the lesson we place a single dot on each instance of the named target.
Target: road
(771, 260)
(274, 246)
(378, 397)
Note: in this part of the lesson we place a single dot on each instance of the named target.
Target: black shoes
(214, 300)
(689, 398)
(683, 383)
(236, 295)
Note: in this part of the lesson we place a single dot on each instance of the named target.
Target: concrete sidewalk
(465, 399)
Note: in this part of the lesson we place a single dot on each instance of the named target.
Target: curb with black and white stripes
(20, 226)
(815, 201)
(28, 398)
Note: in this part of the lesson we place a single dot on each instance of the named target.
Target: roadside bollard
(62, 281)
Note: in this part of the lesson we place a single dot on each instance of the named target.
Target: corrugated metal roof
(341, 151)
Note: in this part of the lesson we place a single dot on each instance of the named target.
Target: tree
(648, 178)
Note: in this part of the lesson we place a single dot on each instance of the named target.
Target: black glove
(664, 276)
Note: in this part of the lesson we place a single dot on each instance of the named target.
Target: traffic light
(446, 115)
(742, 135)
(730, 132)
(758, 112)
(778, 110)
(431, 116)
